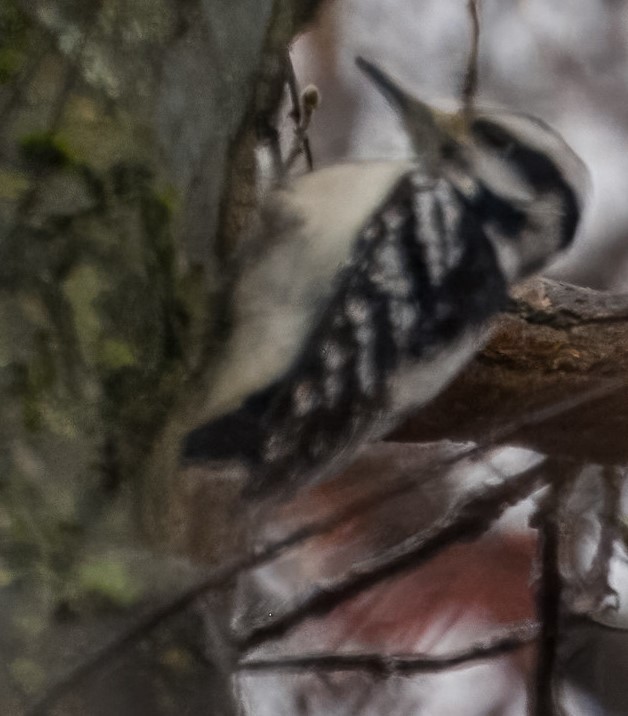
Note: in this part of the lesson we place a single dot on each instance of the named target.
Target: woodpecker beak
(429, 128)
(388, 87)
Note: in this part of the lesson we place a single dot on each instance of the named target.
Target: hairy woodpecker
(366, 287)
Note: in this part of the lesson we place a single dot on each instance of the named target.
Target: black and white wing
(404, 314)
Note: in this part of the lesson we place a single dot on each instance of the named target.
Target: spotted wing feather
(422, 275)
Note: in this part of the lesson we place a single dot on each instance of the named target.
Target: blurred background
(565, 61)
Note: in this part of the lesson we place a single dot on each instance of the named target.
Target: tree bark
(557, 345)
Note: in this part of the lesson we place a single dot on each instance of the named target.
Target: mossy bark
(127, 176)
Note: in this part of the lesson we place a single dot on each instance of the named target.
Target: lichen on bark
(127, 175)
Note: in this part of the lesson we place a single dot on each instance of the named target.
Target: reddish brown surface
(558, 342)
(468, 592)
(478, 587)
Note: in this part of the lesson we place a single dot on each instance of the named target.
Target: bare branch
(428, 543)
(549, 594)
(216, 579)
(381, 665)
(470, 82)
(301, 116)
(556, 344)
(463, 522)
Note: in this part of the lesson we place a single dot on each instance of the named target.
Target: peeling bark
(556, 342)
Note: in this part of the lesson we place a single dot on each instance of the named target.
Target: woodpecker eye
(493, 136)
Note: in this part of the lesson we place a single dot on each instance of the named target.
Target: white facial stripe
(526, 250)
(429, 234)
(501, 177)
(540, 137)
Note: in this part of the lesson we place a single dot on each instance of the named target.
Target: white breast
(289, 276)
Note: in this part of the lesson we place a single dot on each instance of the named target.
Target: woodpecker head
(526, 184)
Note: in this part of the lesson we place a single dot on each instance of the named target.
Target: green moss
(116, 354)
(10, 62)
(32, 624)
(131, 180)
(42, 151)
(14, 30)
(32, 379)
(109, 583)
(13, 22)
(82, 287)
(170, 198)
(57, 421)
(12, 184)
(6, 577)
(28, 674)
(41, 370)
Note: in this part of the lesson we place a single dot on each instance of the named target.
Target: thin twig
(470, 82)
(223, 575)
(216, 579)
(548, 599)
(463, 522)
(293, 89)
(549, 593)
(381, 665)
(303, 141)
(555, 410)
(536, 417)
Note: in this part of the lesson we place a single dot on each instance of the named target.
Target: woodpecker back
(367, 287)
